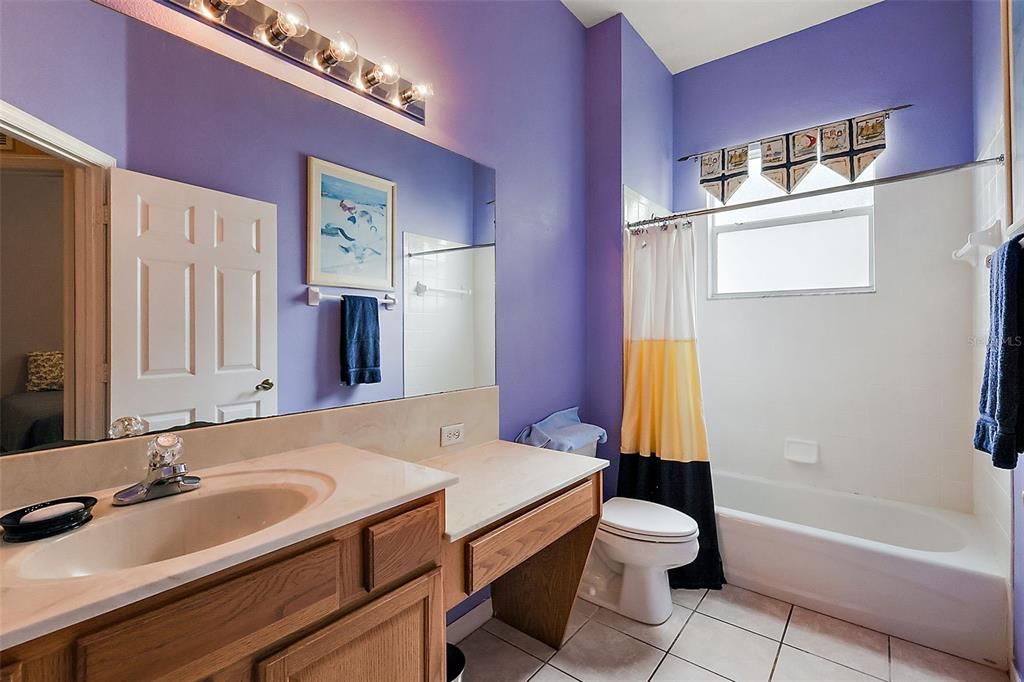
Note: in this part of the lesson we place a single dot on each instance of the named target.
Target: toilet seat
(646, 521)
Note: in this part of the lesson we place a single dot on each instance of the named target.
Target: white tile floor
(712, 636)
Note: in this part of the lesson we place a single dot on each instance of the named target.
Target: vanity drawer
(490, 556)
(205, 632)
(403, 544)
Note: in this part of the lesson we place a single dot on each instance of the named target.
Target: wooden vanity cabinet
(363, 602)
(397, 637)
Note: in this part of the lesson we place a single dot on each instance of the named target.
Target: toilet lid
(638, 517)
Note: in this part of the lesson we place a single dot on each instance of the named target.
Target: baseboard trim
(472, 621)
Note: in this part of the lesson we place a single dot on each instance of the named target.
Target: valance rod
(880, 111)
(995, 160)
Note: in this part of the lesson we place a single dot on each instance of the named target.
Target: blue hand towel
(562, 431)
(360, 341)
(999, 428)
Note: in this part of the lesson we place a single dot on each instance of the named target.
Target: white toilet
(637, 543)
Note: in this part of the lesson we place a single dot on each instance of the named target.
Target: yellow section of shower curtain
(662, 413)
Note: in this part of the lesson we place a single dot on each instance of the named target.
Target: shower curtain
(664, 442)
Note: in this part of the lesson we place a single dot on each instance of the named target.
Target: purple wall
(33, 80)
(515, 110)
(257, 147)
(647, 118)
(484, 205)
(895, 52)
(629, 141)
(510, 95)
(987, 67)
(603, 402)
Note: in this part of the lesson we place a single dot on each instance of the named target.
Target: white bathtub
(922, 574)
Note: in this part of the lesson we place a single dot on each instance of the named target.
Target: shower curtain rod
(685, 215)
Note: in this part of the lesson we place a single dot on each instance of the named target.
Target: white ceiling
(687, 33)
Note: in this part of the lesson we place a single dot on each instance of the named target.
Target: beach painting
(351, 228)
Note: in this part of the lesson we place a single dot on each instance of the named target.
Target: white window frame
(715, 230)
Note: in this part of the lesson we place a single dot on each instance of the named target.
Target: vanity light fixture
(291, 21)
(342, 48)
(417, 93)
(215, 9)
(282, 27)
(384, 72)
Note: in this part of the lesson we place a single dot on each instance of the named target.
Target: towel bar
(314, 296)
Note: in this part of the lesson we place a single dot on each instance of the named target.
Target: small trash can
(456, 663)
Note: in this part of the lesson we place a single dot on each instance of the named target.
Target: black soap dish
(71, 513)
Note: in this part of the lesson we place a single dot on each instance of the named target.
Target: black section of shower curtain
(685, 486)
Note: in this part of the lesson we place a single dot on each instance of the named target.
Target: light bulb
(215, 9)
(343, 48)
(385, 72)
(291, 21)
(417, 93)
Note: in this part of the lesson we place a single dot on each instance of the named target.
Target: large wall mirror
(246, 216)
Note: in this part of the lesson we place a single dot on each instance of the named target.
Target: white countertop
(499, 478)
(349, 485)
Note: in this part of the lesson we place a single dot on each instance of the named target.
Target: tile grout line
(841, 665)
(513, 644)
(778, 652)
(657, 667)
(674, 640)
(740, 627)
(632, 636)
(888, 646)
(832, 660)
(571, 637)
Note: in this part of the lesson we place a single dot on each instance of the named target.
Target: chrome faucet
(165, 476)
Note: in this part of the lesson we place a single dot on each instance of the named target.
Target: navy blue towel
(999, 428)
(360, 340)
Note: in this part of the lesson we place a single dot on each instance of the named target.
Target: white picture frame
(350, 228)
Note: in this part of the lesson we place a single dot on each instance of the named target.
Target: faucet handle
(164, 450)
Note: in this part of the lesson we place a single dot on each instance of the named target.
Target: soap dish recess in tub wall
(800, 451)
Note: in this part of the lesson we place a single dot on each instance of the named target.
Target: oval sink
(145, 533)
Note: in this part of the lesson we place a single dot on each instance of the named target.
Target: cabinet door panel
(209, 630)
(397, 638)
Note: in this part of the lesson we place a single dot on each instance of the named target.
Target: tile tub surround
(499, 478)
(356, 484)
(407, 429)
(811, 647)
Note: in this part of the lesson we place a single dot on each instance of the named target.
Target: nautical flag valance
(723, 171)
(846, 147)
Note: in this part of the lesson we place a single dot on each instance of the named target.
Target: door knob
(265, 385)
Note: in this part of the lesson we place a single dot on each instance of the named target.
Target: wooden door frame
(86, 294)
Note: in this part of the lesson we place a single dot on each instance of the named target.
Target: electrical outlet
(452, 434)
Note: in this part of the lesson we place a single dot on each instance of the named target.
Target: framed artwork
(351, 228)
(1013, 63)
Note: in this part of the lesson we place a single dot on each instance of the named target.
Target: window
(814, 245)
